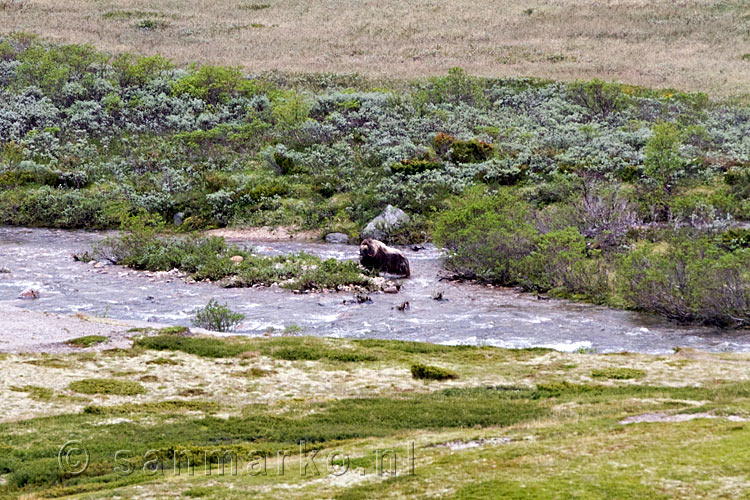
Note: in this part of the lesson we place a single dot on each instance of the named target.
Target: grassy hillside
(520, 424)
(695, 45)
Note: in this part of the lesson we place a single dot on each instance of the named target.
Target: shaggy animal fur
(376, 255)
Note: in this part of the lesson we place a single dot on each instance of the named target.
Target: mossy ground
(528, 423)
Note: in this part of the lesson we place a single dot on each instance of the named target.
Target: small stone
(236, 258)
(178, 218)
(337, 238)
(29, 293)
(390, 289)
(101, 263)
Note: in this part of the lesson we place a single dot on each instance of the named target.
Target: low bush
(688, 280)
(486, 236)
(427, 372)
(217, 317)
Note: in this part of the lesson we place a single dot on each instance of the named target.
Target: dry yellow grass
(686, 44)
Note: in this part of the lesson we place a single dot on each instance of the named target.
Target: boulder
(236, 258)
(338, 238)
(381, 226)
(178, 218)
(29, 293)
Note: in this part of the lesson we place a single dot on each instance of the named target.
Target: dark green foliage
(427, 372)
(411, 167)
(735, 239)
(473, 151)
(689, 280)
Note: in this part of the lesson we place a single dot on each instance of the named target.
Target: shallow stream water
(469, 314)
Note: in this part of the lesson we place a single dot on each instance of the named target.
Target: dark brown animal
(376, 255)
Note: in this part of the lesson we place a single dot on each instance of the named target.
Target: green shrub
(138, 70)
(411, 167)
(663, 160)
(107, 386)
(217, 317)
(473, 151)
(688, 280)
(427, 372)
(561, 260)
(734, 239)
(486, 235)
(214, 84)
(598, 97)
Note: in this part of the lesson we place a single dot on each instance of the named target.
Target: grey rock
(178, 218)
(339, 238)
(381, 226)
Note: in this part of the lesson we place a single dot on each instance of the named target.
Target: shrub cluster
(87, 138)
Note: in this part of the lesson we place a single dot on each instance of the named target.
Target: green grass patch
(107, 386)
(35, 392)
(286, 348)
(160, 407)
(618, 373)
(86, 341)
(175, 330)
(205, 347)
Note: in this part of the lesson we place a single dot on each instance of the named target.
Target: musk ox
(376, 255)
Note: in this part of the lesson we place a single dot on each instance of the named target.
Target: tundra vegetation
(522, 424)
(617, 194)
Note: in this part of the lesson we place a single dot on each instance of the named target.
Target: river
(468, 314)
